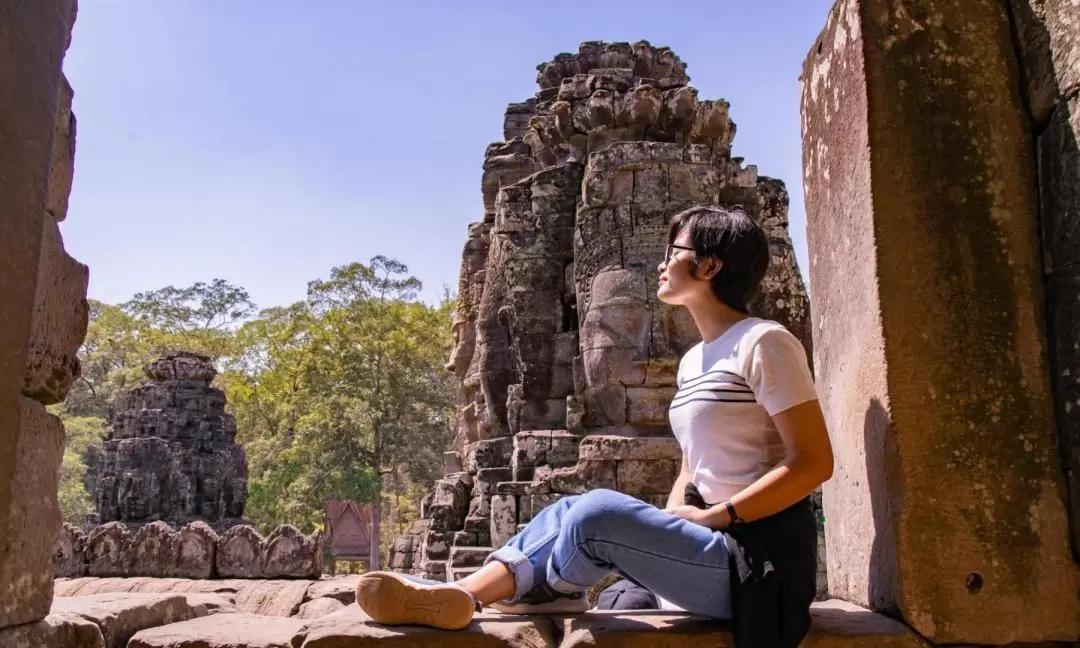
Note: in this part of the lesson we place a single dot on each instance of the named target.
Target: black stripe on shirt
(702, 399)
(716, 390)
(739, 380)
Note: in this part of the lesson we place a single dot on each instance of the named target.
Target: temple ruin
(171, 453)
(940, 165)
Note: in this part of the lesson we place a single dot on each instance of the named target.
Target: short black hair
(735, 239)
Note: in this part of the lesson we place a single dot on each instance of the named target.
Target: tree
(378, 386)
(342, 396)
(84, 435)
(121, 340)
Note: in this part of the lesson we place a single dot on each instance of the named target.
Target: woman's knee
(599, 509)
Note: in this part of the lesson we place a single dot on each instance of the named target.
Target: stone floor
(178, 613)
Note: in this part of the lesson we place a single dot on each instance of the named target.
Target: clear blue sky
(265, 141)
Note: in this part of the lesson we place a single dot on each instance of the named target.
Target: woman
(737, 539)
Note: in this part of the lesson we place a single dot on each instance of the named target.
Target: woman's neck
(713, 318)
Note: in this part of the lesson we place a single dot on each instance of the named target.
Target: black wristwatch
(735, 519)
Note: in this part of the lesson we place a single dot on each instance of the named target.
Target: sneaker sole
(564, 608)
(392, 600)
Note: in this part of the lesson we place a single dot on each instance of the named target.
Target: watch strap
(735, 519)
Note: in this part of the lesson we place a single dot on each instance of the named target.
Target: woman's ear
(710, 267)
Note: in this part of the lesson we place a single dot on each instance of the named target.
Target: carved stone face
(461, 353)
(614, 334)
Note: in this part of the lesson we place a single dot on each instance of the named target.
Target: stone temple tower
(566, 359)
(171, 453)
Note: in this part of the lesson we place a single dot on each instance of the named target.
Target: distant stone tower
(565, 358)
(171, 453)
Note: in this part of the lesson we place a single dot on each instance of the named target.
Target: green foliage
(336, 392)
(122, 339)
(342, 395)
(84, 434)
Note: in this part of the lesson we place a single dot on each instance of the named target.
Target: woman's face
(678, 284)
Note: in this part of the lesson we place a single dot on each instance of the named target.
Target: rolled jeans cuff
(558, 583)
(519, 565)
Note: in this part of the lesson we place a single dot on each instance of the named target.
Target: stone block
(240, 553)
(1063, 318)
(585, 476)
(480, 506)
(351, 628)
(504, 519)
(912, 153)
(468, 556)
(60, 320)
(32, 519)
(438, 545)
(1059, 186)
(619, 448)
(106, 550)
(223, 631)
(522, 488)
(318, 608)
(291, 554)
(69, 554)
(486, 478)
(644, 629)
(490, 453)
(278, 598)
(530, 505)
(120, 616)
(54, 631)
(640, 477)
(62, 160)
(452, 463)
(35, 37)
(1049, 48)
(194, 551)
(342, 588)
(464, 539)
(648, 406)
(839, 624)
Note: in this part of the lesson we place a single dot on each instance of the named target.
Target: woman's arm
(808, 463)
(678, 491)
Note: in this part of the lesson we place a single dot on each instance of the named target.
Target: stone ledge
(351, 628)
(221, 631)
(837, 624)
(108, 621)
(54, 631)
(122, 615)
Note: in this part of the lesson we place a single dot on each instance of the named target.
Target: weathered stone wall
(1048, 36)
(565, 358)
(171, 453)
(43, 311)
(946, 502)
(193, 551)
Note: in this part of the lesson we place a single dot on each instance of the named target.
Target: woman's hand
(689, 513)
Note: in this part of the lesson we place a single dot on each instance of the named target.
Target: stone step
(468, 556)
(464, 539)
(522, 488)
(457, 573)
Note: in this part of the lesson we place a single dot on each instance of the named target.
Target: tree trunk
(376, 516)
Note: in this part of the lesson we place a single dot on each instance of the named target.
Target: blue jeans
(577, 541)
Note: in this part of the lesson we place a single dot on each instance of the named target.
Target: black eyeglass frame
(671, 247)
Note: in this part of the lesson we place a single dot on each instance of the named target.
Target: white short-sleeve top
(728, 391)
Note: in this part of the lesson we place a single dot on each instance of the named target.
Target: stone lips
(171, 454)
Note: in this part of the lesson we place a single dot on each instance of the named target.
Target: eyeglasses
(670, 250)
